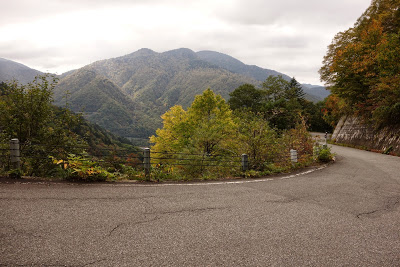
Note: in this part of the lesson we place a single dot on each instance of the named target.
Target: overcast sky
(289, 36)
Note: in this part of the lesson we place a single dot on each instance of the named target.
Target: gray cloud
(289, 36)
(18, 11)
(261, 12)
(24, 50)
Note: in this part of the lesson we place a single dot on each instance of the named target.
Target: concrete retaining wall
(351, 131)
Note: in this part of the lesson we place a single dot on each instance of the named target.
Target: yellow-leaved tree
(203, 135)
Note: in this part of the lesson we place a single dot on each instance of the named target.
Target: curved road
(345, 214)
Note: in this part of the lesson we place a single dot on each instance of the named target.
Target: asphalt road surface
(345, 214)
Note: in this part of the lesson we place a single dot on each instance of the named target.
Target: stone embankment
(351, 131)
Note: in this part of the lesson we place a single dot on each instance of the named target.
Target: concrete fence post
(15, 154)
(245, 162)
(316, 150)
(293, 155)
(146, 162)
(326, 139)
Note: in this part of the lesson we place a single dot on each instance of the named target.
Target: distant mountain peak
(11, 70)
(181, 52)
(208, 54)
(145, 51)
(13, 64)
(141, 52)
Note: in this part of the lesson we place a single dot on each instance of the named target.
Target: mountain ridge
(128, 94)
(152, 82)
(11, 70)
(232, 64)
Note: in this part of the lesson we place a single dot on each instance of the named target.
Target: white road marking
(226, 182)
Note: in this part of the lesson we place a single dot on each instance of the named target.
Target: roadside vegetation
(54, 142)
(264, 124)
(205, 141)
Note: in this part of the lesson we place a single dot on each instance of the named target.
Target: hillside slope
(128, 94)
(101, 102)
(236, 66)
(318, 91)
(169, 78)
(10, 70)
(313, 93)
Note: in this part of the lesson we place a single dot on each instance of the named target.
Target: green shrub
(251, 174)
(131, 173)
(164, 172)
(325, 154)
(272, 168)
(81, 168)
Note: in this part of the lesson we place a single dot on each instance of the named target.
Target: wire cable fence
(14, 155)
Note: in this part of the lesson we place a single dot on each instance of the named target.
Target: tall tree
(213, 122)
(362, 65)
(257, 138)
(27, 113)
(26, 110)
(283, 101)
(295, 91)
(246, 96)
(280, 102)
(174, 135)
(274, 88)
(206, 128)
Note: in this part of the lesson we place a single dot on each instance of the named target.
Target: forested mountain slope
(128, 94)
(232, 64)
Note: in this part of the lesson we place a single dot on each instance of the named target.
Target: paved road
(345, 214)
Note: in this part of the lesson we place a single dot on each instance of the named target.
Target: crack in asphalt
(115, 228)
(186, 210)
(157, 217)
(285, 201)
(130, 224)
(391, 206)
